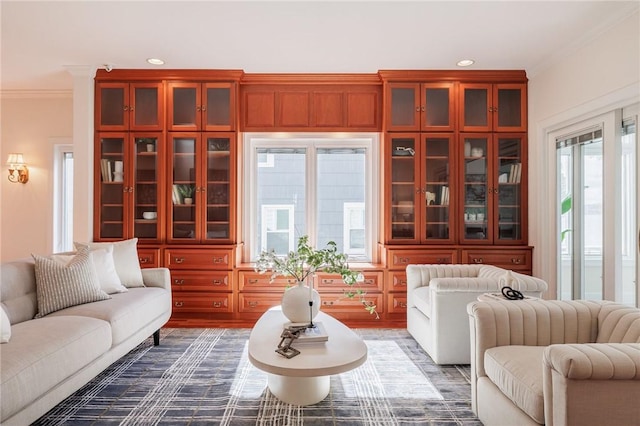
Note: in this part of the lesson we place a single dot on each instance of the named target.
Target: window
(63, 198)
(320, 185)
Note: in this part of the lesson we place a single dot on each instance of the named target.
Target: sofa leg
(156, 338)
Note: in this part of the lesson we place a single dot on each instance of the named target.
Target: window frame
(369, 141)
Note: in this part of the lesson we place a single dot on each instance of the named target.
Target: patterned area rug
(203, 377)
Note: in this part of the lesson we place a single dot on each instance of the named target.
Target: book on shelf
(175, 195)
(515, 172)
(105, 170)
(444, 196)
(310, 335)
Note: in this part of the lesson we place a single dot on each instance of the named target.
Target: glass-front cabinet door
(197, 106)
(403, 113)
(183, 165)
(128, 194)
(437, 107)
(437, 173)
(476, 206)
(510, 202)
(202, 187)
(148, 193)
(130, 106)
(220, 172)
(403, 193)
(489, 107)
(421, 106)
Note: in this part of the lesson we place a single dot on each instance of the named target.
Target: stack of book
(515, 173)
(105, 169)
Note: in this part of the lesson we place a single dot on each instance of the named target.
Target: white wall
(601, 75)
(27, 210)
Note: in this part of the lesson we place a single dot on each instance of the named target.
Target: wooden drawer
(372, 282)
(201, 281)
(397, 303)
(198, 258)
(337, 302)
(255, 281)
(396, 281)
(514, 259)
(202, 302)
(399, 259)
(258, 302)
(149, 258)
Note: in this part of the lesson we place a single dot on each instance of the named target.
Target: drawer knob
(178, 304)
(327, 281)
(327, 303)
(253, 281)
(178, 282)
(144, 260)
(178, 259)
(253, 304)
(217, 282)
(402, 304)
(477, 260)
(217, 304)
(516, 260)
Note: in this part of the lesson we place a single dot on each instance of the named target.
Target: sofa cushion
(618, 324)
(126, 312)
(5, 326)
(105, 268)
(44, 352)
(125, 257)
(18, 290)
(422, 296)
(517, 372)
(59, 286)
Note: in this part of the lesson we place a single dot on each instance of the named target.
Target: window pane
(341, 180)
(628, 212)
(280, 183)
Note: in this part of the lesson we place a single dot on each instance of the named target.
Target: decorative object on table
(300, 333)
(301, 265)
(186, 191)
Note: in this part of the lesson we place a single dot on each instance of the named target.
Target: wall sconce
(18, 171)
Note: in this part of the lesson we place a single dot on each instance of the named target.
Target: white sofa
(555, 362)
(437, 298)
(49, 358)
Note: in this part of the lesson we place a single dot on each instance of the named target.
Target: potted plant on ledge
(302, 264)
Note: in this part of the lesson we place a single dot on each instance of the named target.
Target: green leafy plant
(566, 206)
(306, 261)
(186, 190)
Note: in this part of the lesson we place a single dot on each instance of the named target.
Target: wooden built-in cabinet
(453, 165)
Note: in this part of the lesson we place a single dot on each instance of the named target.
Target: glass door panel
(437, 183)
(405, 110)
(509, 174)
(438, 107)
(112, 187)
(147, 112)
(476, 189)
(630, 240)
(219, 109)
(218, 188)
(184, 104)
(404, 189)
(113, 106)
(475, 107)
(146, 165)
(183, 223)
(509, 108)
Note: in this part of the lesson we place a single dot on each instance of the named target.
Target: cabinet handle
(402, 304)
(327, 281)
(252, 304)
(178, 259)
(369, 281)
(418, 108)
(477, 260)
(217, 304)
(203, 108)
(178, 304)
(404, 260)
(218, 260)
(253, 281)
(144, 260)
(422, 108)
(418, 190)
(178, 282)
(516, 260)
(217, 282)
(198, 108)
(125, 108)
(130, 108)
(327, 303)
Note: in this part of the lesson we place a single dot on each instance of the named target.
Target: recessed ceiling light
(465, 62)
(155, 61)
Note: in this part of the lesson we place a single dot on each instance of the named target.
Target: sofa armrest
(157, 277)
(591, 383)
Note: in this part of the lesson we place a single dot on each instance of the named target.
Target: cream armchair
(555, 362)
(437, 298)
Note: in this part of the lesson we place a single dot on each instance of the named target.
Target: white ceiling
(40, 38)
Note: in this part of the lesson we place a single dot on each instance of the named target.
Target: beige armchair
(437, 298)
(555, 362)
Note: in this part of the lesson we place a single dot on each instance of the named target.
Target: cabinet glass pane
(146, 188)
(476, 190)
(475, 107)
(184, 106)
(509, 104)
(437, 186)
(218, 187)
(509, 188)
(403, 104)
(112, 106)
(183, 190)
(403, 194)
(436, 107)
(219, 106)
(145, 112)
(112, 187)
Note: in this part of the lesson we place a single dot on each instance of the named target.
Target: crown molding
(36, 94)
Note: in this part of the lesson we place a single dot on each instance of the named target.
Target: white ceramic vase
(295, 303)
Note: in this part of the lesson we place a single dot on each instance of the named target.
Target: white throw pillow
(60, 286)
(5, 326)
(125, 258)
(105, 268)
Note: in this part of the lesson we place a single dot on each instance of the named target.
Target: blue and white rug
(203, 377)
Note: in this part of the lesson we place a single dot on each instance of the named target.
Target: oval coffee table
(305, 378)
